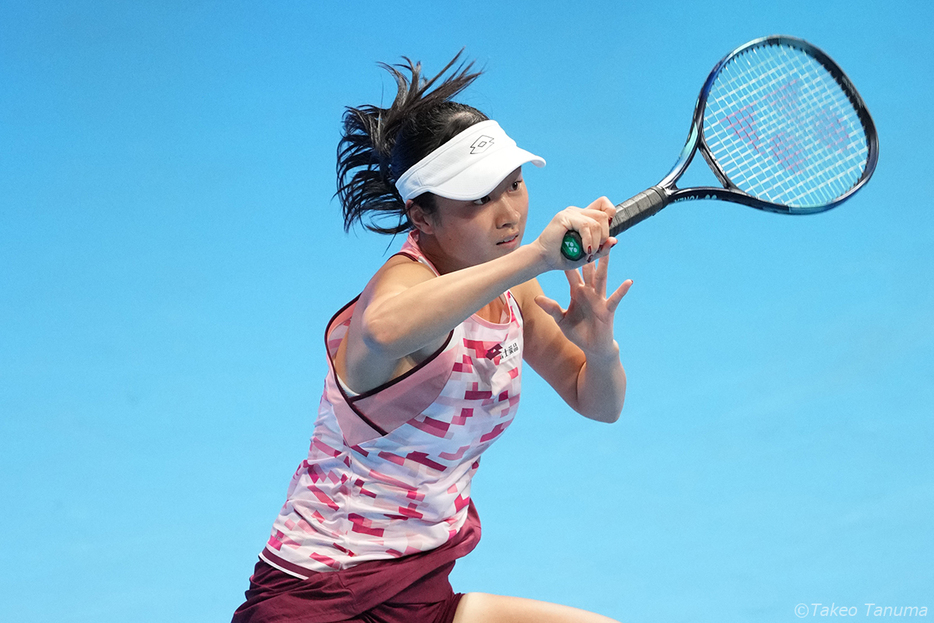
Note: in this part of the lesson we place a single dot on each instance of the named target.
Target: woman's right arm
(406, 310)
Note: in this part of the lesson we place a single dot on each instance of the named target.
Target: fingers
(599, 210)
(604, 205)
(595, 277)
(551, 307)
(592, 224)
(613, 302)
(587, 271)
(594, 229)
(596, 273)
(600, 274)
(604, 251)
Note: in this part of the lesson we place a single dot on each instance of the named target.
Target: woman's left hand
(588, 320)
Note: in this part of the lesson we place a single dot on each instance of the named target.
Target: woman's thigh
(485, 608)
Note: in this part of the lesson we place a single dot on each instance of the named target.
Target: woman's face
(466, 233)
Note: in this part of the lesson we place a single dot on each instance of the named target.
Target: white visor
(467, 167)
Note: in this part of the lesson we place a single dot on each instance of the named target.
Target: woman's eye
(481, 200)
(516, 184)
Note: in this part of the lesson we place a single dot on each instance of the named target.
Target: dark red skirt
(411, 589)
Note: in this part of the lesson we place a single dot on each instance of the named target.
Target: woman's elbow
(381, 336)
(609, 418)
(606, 415)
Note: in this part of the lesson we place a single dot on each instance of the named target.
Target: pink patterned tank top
(388, 471)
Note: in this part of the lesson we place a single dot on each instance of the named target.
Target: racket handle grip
(628, 213)
(637, 209)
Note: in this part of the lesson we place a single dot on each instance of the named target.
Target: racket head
(783, 129)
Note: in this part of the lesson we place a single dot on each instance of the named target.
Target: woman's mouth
(509, 241)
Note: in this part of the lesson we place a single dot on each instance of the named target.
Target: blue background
(170, 251)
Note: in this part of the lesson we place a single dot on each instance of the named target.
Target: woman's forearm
(601, 387)
(402, 323)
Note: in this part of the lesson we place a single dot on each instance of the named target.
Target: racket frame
(729, 191)
(652, 200)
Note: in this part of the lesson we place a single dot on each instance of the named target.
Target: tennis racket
(782, 128)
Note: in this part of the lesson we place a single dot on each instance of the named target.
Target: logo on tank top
(501, 352)
(480, 145)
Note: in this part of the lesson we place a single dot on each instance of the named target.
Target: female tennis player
(425, 367)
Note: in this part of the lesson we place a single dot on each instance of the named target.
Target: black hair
(378, 145)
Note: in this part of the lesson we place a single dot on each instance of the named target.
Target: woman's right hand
(593, 225)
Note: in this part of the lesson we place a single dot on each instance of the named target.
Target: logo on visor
(481, 144)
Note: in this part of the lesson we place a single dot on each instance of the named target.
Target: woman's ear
(419, 218)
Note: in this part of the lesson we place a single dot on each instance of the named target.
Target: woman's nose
(507, 215)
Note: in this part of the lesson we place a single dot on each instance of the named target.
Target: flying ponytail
(378, 145)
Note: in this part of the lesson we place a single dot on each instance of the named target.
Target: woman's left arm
(573, 349)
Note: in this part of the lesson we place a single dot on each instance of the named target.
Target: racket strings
(782, 128)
